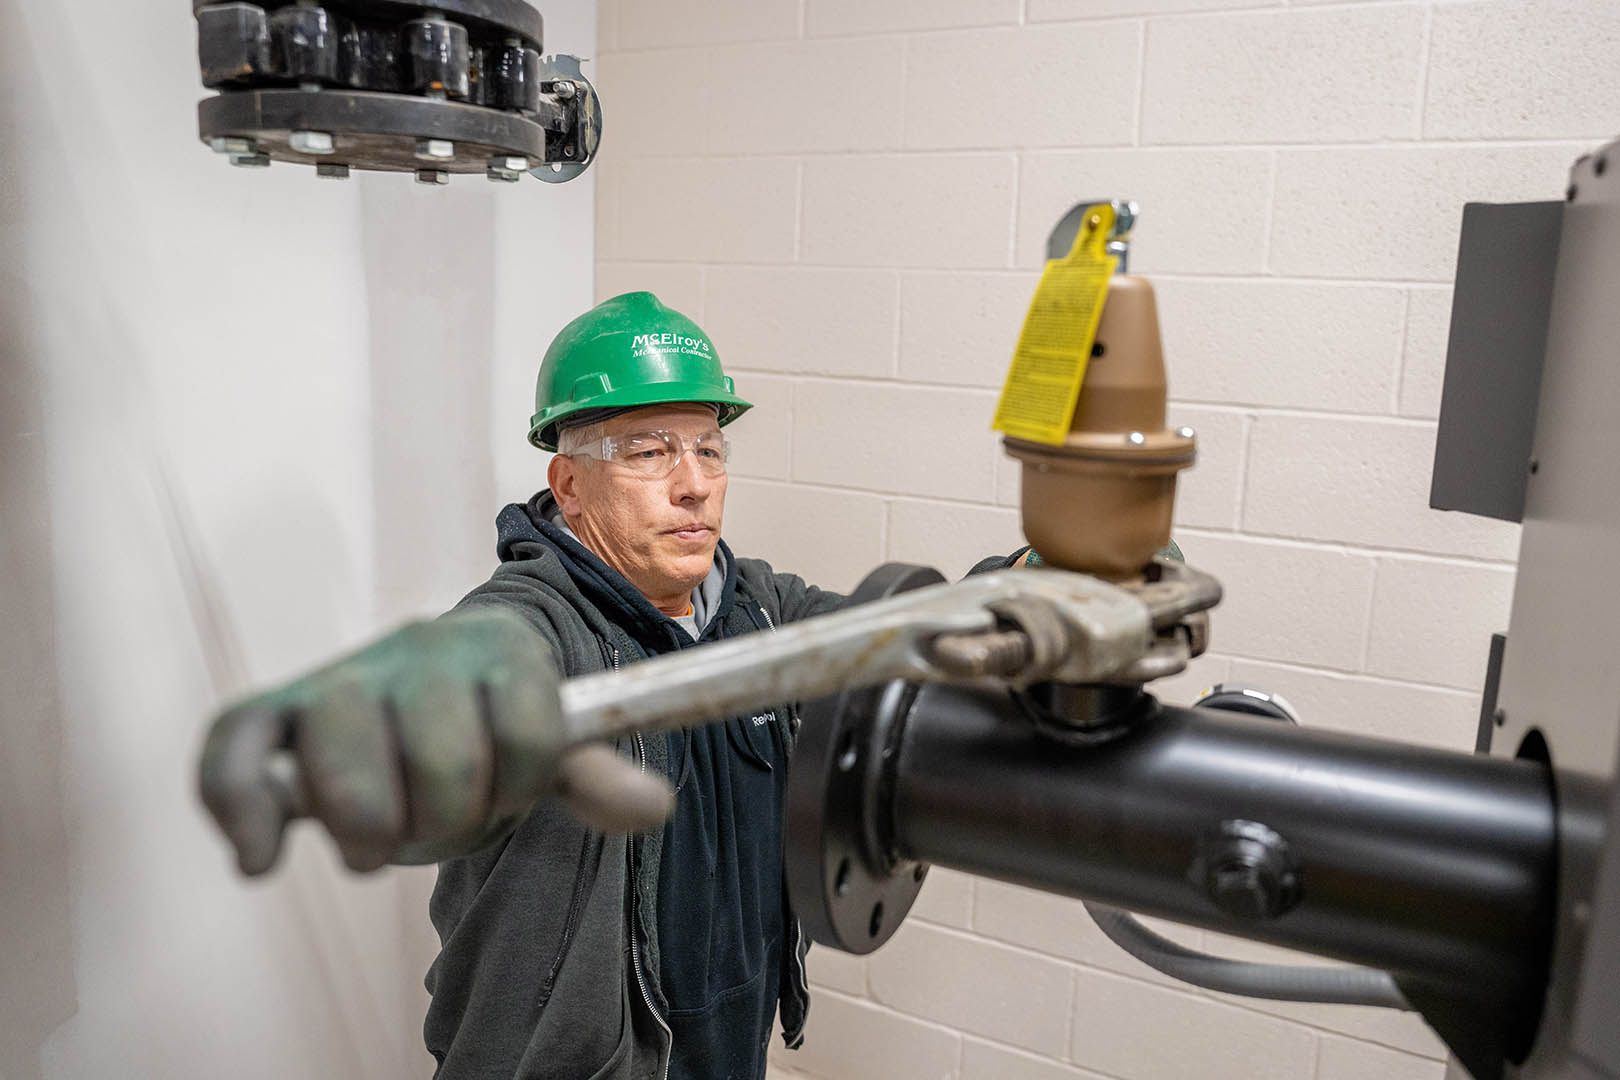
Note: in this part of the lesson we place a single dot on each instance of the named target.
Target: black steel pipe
(1433, 865)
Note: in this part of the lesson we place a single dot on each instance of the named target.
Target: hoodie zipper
(635, 939)
(796, 931)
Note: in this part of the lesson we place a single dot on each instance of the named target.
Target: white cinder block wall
(853, 197)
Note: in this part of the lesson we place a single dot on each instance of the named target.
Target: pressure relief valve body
(1099, 497)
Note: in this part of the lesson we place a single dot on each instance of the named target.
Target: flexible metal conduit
(1277, 982)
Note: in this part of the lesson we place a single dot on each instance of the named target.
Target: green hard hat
(624, 353)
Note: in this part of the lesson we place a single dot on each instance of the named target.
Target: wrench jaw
(1058, 626)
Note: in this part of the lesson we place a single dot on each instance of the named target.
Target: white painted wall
(853, 197)
(327, 386)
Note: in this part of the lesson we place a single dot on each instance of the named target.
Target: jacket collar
(521, 525)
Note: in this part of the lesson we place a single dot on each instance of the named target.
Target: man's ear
(562, 476)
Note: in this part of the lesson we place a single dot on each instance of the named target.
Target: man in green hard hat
(638, 925)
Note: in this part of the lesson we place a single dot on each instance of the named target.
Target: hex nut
(311, 142)
(432, 176)
(435, 149)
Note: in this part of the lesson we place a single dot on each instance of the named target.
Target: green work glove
(426, 744)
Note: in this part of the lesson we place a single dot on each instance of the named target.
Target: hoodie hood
(526, 530)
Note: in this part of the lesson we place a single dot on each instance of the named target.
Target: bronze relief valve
(1101, 501)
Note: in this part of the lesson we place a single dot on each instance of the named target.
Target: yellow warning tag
(1043, 385)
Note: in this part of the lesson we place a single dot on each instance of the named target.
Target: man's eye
(712, 453)
(652, 454)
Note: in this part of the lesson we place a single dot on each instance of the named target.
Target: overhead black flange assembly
(451, 86)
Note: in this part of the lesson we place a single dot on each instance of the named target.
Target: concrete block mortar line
(876, 493)
(1141, 83)
(1575, 144)
(1077, 966)
(1347, 547)
(898, 327)
(1400, 353)
(1291, 8)
(1218, 405)
(1418, 113)
(1201, 277)
(802, 18)
(1266, 230)
(1318, 669)
(1366, 676)
(889, 1010)
(1295, 413)
(1068, 1016)
(1315, 1028)
(792, 430)
(884, 531)
(793, 406)
(726, 44)
(925, 31)
(1209, 278)
(873, 381)
(1252, 9)
(905, 89)
(1012, 221)
(981, 938)
(883, 524)
(1249, 410)
(1243, 467)
(798, 213)
(1471, 142)
(1336, 547)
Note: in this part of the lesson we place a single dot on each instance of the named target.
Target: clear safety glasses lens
(654, 454)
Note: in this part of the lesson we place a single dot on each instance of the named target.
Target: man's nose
(688, 480)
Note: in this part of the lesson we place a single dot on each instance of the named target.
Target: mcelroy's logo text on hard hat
(642, 344)
(588, 367)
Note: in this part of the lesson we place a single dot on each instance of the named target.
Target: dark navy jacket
(570, 955)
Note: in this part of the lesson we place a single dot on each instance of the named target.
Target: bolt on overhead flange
(447, 87)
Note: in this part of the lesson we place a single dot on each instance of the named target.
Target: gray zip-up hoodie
(551, 952)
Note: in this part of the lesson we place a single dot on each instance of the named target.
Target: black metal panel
(1505, 268)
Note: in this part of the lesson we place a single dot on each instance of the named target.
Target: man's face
(659, 533)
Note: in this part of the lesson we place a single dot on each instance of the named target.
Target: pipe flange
(849, 888)
(435, 88)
